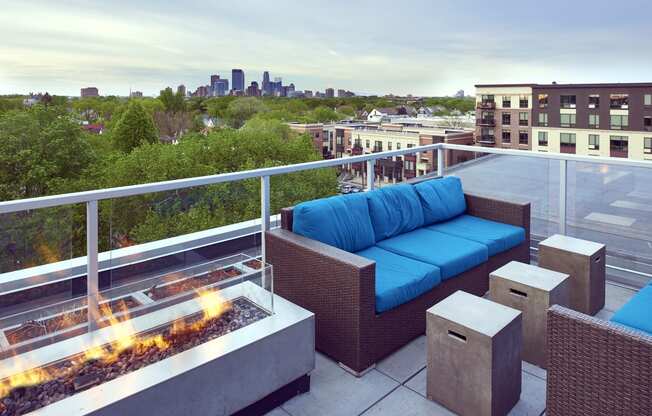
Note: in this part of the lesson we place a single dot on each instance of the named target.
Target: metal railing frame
(91, 198)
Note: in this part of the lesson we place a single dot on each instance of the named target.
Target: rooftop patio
(598, 200)
(397, 386)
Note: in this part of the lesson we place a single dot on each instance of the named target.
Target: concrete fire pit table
(531, 290)
(474, 355)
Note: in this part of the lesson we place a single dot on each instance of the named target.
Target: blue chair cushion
(442, 199)
(498, 237)
(394, 210)
(399, 279)
(637, 313)
(453, 255)
(341, 221)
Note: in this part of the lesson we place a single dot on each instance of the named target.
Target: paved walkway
(397, 385)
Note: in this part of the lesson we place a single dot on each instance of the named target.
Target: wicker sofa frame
(596, 368)
(339, 287)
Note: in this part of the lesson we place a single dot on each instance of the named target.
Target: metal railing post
(92, 278)
(563, 182)
(371, 174)
(264, 220)
(440, 161)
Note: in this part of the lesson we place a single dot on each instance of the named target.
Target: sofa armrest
(338, 286)
(501, 211)
(596, 367)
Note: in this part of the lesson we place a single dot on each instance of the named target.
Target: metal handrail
(91, 198)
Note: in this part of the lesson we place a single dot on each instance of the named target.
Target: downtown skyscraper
(238, 79)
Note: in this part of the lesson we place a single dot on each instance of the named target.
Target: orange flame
(124, 336)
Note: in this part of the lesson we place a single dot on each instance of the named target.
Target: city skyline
(121, 46)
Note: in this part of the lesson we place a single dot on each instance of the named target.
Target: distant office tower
(341, 93)
(181, 89)
(253, 90)
(330, 93)
(276, 87)
(136, 94)
(89, 92)
(266, 87)
(238, 79)
(459, 94)
(308, 93)
(219, 87)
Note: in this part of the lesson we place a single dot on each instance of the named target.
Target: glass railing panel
(612, 205)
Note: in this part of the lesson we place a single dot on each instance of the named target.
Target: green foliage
(242, 109)
(8, 104)
(37, 147)
(134, 128)
(463, 105)
(172, 102)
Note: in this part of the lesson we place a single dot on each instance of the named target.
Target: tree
(242, 109)
(134, 128)
(172, 102)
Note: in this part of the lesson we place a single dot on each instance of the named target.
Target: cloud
(421, 47)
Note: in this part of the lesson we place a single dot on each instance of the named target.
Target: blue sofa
(370, 264)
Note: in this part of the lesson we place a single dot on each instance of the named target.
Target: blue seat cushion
(399, 279)
(341, 221)
(394, 210)
(637, 313)
(453, 255)
(442, 199)
(498, 237)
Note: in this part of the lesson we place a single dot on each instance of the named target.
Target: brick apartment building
(587, 119)
(351, 139)
(89, 92)
(503, 116)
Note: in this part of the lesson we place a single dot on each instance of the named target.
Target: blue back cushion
(340, 221)
(637, 312)
(394, 210)
(442, 199)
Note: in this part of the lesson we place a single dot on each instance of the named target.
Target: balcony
(486, 139)
(485, 122)
(486, 105)
(598, 199)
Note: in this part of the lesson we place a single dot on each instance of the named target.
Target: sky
(419, 47)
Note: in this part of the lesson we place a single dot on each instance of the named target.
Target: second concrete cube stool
(531, 290)
(474, 355)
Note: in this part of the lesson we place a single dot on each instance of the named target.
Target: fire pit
(223, 350)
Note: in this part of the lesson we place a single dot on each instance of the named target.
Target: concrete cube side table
(585, 262)
(532, 290)
(474, 355)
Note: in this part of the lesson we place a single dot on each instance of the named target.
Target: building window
(507, 101)
(507, 118)
(647, 123)
(543, 138)
(543, 119)
(594, 142)
(647, 145)
(507, 137)
(567, 101)
(378, 146)
(367, 144)
(618, 146)
(594, 101)
(647, 99)
(523, 102)
(523, 137)
(543, 100)
(410, 145)
(594, 121)
(357, 143)
(567, 142)
(619, 122)
(567, 120)
(487, 135)
(619, 101)
(523, 119)
(398, 145)
(389, 145)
